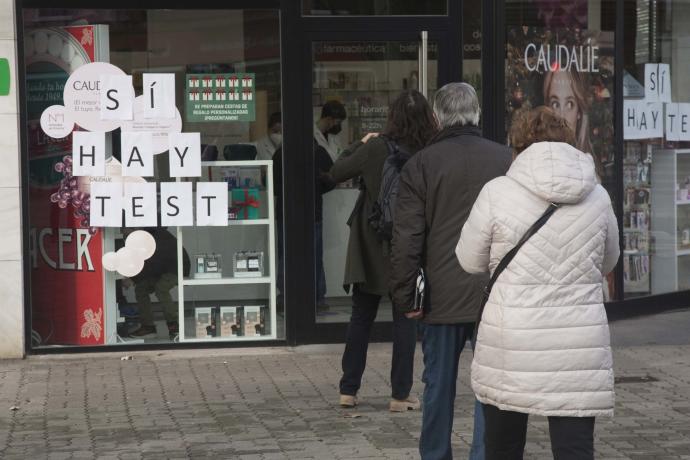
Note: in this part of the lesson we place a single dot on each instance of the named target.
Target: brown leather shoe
(348, 401)
(403, 405)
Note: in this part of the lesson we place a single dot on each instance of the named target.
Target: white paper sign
(117, 97)
(643, 120)
(159, 95)
(684, 121)
(106, 204)
(211, 204)
(140, 205)
(177, 204)
(137, 154)
(158, 127)
(88, 153)
(672, 123)
(184, 154)
(657, 83)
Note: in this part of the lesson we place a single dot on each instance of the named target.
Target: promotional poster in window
(571, 71)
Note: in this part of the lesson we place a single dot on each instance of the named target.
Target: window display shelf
(683, 252)
(227, 280)
(682, 202)
(243, 222)
(212, 243)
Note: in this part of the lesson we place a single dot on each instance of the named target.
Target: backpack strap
(511, 255)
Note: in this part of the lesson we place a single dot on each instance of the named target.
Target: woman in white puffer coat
(543, 341)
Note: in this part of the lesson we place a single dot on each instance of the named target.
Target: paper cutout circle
(57, 122)
(129, 262)
(142, 242)
(109, 261)
(82, 95)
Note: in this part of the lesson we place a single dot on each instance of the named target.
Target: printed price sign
(220, 97)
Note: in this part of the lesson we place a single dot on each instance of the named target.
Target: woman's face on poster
(562, 100)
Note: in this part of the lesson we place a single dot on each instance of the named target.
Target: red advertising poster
(67, 294)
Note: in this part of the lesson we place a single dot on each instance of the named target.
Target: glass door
(353, 81)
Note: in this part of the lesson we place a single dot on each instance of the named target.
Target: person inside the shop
(267, 146)
(437, 189)
(543, 344)
(323, 183)
(327, 128)
(409, 127)
(159, 276)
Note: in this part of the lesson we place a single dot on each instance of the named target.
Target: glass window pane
(373, 8)
(656, 167)
(227, 77)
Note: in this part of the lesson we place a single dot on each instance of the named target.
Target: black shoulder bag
(509, 257)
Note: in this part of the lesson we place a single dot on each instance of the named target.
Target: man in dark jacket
(438, 187)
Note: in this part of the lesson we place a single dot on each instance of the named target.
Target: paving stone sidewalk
(279, 403)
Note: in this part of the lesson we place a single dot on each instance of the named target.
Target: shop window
(656, 158)
(165, 271)
(374, 8)
(472, 45)
(561, 54)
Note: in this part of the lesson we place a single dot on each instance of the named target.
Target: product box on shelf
(250, 177)
(231, 176)
(246, 202)
(254, 320)
(248, 264)
(205, 324)
(230, 322)
(207, 266)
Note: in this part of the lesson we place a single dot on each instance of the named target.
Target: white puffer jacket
(543, 343)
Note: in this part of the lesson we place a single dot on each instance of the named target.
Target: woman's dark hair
(539, 125)
(410, 120)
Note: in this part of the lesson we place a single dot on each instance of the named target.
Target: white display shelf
(683, 252)
(243, 222)
(269, 278)
(227, 280)
(682, 202)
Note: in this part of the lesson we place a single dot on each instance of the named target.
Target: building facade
(162, 187)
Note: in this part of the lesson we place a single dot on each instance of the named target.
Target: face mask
(276, 138)
(335, 129)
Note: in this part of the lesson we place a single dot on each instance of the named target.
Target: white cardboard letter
(140, 204)
(177, 204)
(106, 204)
(117, 97)
(88, 153)
(672, 123)
(184, 154)
(137, 153)
(211, 204)
(159, 95)
(664, 83)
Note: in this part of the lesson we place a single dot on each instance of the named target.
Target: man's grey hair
(456, 104)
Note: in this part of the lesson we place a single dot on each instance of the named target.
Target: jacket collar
(455, 131)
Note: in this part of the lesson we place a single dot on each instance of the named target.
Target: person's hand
(366, 138)
(415, 314)
(128, 283)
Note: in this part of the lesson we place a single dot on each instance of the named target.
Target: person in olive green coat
(410, 125)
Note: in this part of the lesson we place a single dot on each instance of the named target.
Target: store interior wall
(11, 278)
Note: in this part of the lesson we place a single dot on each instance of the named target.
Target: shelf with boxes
(637, 219)
(233, 266)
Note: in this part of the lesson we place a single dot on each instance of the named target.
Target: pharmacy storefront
(170, 189)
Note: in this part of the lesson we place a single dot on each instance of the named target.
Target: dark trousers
(364, 309)
(572, 438)
(442, 346)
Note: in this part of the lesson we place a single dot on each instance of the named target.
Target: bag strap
(513, 252)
